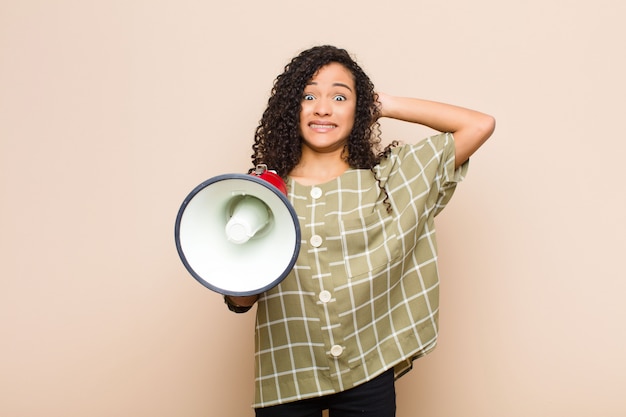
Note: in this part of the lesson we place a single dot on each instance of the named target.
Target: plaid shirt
(364, 294)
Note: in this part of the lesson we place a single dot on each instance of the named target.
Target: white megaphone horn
(237, 234)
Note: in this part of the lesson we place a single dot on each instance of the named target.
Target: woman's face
(328, 109)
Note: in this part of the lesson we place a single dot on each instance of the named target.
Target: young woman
(361, 302)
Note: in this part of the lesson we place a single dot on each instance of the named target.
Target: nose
(322, 108)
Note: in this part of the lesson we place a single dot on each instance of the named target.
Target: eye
(340, 98)
(308, 97)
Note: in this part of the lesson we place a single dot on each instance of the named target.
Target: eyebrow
(334, 85)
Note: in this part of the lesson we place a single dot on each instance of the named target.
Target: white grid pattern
(380, 270)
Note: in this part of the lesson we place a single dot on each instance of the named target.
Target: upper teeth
(317, 126)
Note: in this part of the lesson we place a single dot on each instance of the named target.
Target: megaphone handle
(240, 304)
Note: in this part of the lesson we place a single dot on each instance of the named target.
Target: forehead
(333, 73)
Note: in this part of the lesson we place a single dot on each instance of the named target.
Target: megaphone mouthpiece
(250, 215)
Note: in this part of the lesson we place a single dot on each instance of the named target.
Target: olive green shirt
(363, 296)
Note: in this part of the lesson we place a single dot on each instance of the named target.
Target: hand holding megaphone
(237, 234)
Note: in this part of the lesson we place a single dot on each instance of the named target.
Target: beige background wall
(112, 111)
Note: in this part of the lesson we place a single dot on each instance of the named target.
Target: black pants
(376, 398)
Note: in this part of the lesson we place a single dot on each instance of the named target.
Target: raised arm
(470, 128)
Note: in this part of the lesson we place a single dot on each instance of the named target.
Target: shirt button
(336, 351)
(316, 192)
(316, 241)
(325, 296)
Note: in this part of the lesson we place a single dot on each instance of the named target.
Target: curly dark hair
(277, 139)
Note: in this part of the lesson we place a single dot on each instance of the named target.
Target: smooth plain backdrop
(112, 111)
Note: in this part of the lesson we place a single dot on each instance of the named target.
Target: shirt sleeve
(449, 176)
(423, 174)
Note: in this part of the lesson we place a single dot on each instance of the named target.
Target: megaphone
(238, 234)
